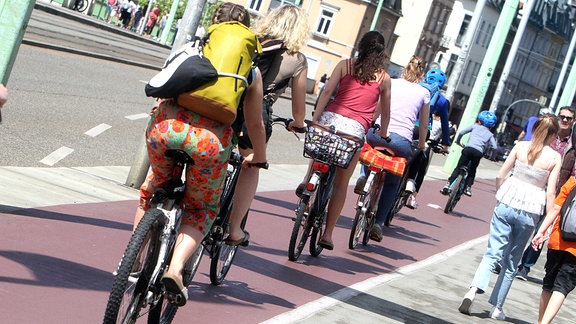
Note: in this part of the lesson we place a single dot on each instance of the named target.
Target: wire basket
(325, 146)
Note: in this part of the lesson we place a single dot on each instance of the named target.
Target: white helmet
(544, 111)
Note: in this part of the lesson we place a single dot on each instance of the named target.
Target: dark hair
(371, 57)
(229, 11)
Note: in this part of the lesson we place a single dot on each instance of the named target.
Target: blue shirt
(528, 128)
(442, 107)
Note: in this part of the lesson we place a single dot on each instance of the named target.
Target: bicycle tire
(164, 313)
(223, 258)
(399, 200)
(144, 245)
(320, 214)
(454, 194)
(302, 227)
(360, 222)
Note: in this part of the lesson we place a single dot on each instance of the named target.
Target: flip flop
(327, 245)
(175, 287)
(242, 241)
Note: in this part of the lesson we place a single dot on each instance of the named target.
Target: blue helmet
(487, 118)
(436, 75)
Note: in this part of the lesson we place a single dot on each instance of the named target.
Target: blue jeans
(510, 231)
(400, 146)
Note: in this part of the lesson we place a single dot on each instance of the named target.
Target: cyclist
(208, 142)
(363, 91)
(480, 138)
(408, 101)
(288, 24)
(440, 106)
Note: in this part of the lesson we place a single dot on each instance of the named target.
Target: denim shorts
(560, 272)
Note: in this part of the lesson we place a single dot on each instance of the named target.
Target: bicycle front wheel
(135, 272)
(302, 227)
(454, 194)
(223, 259)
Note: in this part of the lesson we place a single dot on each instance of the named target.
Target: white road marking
(98, 130)
(137, 116)
(56, 156)
(434, 206)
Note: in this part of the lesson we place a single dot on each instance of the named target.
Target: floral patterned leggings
(208, 143)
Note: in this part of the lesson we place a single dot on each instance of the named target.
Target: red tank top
(354, 100)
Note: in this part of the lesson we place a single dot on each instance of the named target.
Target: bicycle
(137, 284)
(457, 188)
(80, 5)
(367, 204)
(329, 149)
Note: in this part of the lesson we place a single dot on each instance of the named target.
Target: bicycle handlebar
(286, 122)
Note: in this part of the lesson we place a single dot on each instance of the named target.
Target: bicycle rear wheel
(399, 200)
(320, 211)
(165, 311)
(360, 221)
(135, 272)
(223, 258)
(302, 227)
(454, 194)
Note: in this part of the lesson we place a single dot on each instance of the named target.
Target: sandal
(300, 190)
(327, 245)
(242, 241)
(175, 287)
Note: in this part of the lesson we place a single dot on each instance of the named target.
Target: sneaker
(359, 187)
(466, 303)
(376, 233)
(497, 268)
(468, 191)
(411, 202)
(497, 314)
(410, 186)
(446, 190)
(522, 273)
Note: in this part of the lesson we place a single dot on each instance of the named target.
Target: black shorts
(240, 127)
(560, 272)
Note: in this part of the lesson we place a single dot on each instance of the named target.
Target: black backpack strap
(568, 202)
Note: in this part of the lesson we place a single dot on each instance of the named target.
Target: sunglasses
(568, 118)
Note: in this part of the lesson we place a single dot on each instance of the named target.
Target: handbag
(184, 70)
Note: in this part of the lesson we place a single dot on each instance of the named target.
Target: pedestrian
(162, 24)
(521, 199)
(208, 142)
(322, 83)
(138, 15)
(3, 95)
(560, 277)
(408, 102)
(480, 139)
(526, 133)
(564, 145)
(363, 92)
(152, 18)
(287, 26)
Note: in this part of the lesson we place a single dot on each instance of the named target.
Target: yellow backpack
(230, 47)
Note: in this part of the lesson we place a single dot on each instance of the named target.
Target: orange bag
(391, 164)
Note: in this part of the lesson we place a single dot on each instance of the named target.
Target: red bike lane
(56, 261)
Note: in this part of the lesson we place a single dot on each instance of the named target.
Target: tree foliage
(166, 5)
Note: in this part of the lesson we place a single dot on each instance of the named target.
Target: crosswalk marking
(56, 156)
(95, 131)
(137, 116)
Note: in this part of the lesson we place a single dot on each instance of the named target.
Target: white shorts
(342, 124)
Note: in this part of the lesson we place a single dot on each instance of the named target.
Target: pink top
(406, 99)
(354, 100)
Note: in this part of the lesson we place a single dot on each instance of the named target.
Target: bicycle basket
(327, 147)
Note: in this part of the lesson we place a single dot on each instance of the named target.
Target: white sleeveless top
(525, 189)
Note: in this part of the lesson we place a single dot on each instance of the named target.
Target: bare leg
(544, 299)
(243, 195)
(139, 214)
(188, 241)
(554, 304)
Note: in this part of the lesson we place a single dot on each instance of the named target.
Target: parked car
(498, 154)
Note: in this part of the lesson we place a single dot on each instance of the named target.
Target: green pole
(484, 76)
(376, 14)
(14, 16)
(169, 21)
(568, 93)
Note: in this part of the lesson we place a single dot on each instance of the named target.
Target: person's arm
(3, 95)
(521, 136)
(329, 88)
(444, 121)
(553, 181)
(299, 99)
(462, 133)
(423, 126)
(507, 166)
(383, 107)
(253, 119)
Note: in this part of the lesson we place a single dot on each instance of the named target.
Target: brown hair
(545, 128)
(415, 70)
(229, 11)
(371, 57)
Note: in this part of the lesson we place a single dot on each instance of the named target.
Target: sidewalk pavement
(428, 291)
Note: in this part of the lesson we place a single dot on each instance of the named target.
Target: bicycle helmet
(436, 76)
(487, 118)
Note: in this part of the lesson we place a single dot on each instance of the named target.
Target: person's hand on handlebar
(297, 127)
(250, 162)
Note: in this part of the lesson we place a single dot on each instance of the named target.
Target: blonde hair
(544, 130)
(287, 23)
(414, 71)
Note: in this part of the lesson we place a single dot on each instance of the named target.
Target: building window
(451, 63)
(480, 32)
(488, 35)
(325, 21)
(463, 29)
(472, 80)
(254, 4)
(279, 3)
